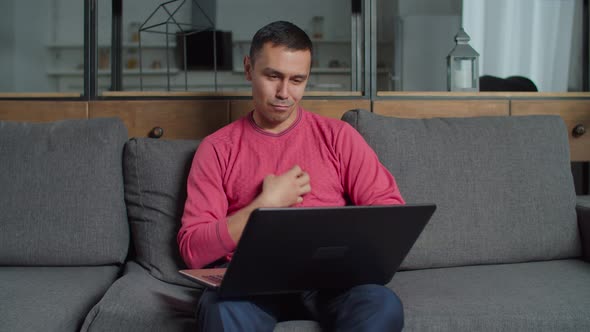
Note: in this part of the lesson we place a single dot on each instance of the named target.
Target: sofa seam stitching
(95, 317)
(139, 188)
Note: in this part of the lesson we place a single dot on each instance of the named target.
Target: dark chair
(512, 83)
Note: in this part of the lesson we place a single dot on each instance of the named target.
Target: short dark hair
(280, 33)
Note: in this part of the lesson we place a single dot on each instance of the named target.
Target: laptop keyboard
(214, 277)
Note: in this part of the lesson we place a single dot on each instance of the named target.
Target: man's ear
(248, 67)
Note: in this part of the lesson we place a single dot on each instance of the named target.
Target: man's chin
(278, 118)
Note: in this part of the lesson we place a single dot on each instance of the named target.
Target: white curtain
(530, 38)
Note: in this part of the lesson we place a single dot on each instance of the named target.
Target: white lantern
(462, 65)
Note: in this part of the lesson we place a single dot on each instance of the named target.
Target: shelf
(314, 41)
(40, 95)
(172, 45)
(125, 45)
(175, 94)
(218, 94)
(318, 70)
(332, 86)
(481, 94)
(327, 70)
(131, 72)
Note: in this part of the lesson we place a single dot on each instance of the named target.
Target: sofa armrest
(583, 211)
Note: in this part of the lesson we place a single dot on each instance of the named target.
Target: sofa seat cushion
(539, 296)
(298, 326)
(503, 186)
(51, 298)
(140, 302)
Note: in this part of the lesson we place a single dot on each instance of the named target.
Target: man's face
(278, 77)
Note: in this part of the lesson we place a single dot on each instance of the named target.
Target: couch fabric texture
(51, 298)
(502, 251)
(64, 233)
(62, 178)
(583, 211)
(503, 185)
(151, 295)
(536, 296)
(155, 191)
(139, 302)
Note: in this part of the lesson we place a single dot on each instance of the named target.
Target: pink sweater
(230, 165)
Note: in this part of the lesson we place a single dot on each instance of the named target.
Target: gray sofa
(88, 223)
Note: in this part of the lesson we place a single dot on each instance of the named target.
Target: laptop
(285, 250)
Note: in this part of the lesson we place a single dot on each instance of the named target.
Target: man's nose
(282, 90)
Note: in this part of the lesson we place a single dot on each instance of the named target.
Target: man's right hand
(284, 190)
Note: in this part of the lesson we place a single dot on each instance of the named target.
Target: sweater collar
(282, 133)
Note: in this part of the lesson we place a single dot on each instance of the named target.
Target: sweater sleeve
(204, 236)
(365, 180)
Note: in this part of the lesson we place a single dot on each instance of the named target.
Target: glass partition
(414, 38)
(525, 45)
(543, 41)
(159, 63)
(42, 43)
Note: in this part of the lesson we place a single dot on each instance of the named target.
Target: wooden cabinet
(194, 119)
(432, 108)
(177, 119)
(197, 118)
(173, 119)
(329, 108)
(573, 108)
(42, 111)
(575, 114)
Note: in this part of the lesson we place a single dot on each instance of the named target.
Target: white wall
(70, 19)
(31, 22)
(576, 62)
(69, 24)
(244, 18)
(429, 7)
(139, 11)
(27, 27)
(7, 49)
(427, 41)
(427, 36)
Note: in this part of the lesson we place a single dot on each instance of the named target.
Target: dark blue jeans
(361, 308)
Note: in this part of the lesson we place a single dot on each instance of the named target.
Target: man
(280, 155)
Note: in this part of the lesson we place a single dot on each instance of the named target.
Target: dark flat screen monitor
(199, 50)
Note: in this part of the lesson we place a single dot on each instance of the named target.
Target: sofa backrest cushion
(155, 192)
(503, 185)
(61, 193)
